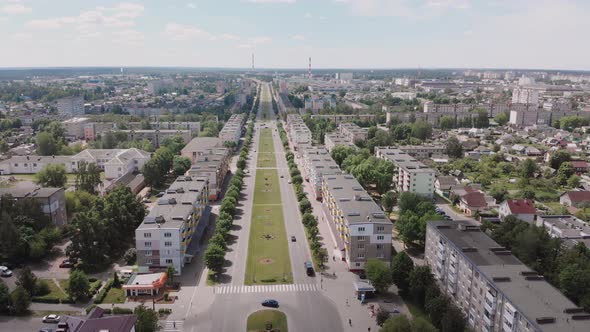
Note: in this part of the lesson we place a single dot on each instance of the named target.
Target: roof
(447, 181)
(156, 280)
(579, 164)
(475, 199)
(96, 321)
(201, 144)
(521, 206)
(578, 196)
(28, 192)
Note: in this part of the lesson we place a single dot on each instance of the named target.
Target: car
(293, 239)
(282, 176)
(448, 218)
(289, 182)
(3, 268)
(270, 303)
(66, 264)
(146, 201)
(51, 318)
(6, 273)
(46, 330)
(160, 194)
(309, 268)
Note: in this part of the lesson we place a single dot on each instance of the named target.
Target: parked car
(293, 239)
(160, 194)
(282, 176)
(146, 201)
(289, 182)
(51, 319)
(66, 264)
(6, 273)
(270, 303)
(309, 268)
(3, 268)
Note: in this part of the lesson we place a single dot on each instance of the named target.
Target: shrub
(103, 292)
(164, 311)
(89, 308)
(122, 311)
(45, 299)
(42, 288)
(92, 279)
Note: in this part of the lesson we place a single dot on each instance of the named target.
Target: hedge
(103, 292)
(121, 311)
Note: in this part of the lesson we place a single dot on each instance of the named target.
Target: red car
(66, 264)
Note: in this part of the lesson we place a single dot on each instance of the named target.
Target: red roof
(475, 199)
(579, 164)
(579, 196)
(521, 206)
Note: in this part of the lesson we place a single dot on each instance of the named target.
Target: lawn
(70, 183)
(115, 295)
(268, 251)
(266, 154)
(257, 321)
(54, 290)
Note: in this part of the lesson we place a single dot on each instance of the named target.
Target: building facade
(70, 107)
(410, 175)
(51, 200)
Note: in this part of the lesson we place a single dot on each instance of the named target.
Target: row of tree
(366, 168)
(414, 212)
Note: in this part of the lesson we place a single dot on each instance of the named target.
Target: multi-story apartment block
(213, 165)
(495, 291)
(527, 96)
(94, 129)
(298, 132)
(232, 130)
(156, 136)
(164, 237)
(33, 164)
(361, 224)
(331, 140)
(424, 151)
(317, 163)
(568, 228)
(339, 118)
(51, 200)
(410, 175)
(193, 127)
(74, 127)
(353, 132)
(114, 162)
(70, 107)
(199, 146)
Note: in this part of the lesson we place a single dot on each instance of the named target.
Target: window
(167, 244)
(358, 264)
(380, 237)
(148, 253)
(380, 228)
(149, 262)
(34, 165)
(361, 238)
(145, 235)
(361, 246)
(148, 244)
(361, 229)
(379, 246)
(168, 261)
(360, 255)
(167, 234)
(15, 165)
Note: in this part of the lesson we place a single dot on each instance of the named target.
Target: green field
(54, 290)
(266, 154)
(268, 250)
(115, 295)
(257, 321)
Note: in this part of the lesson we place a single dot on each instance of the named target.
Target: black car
(309, 268)
(270, 303)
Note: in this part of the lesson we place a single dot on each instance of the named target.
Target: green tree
(78, 285)
(419, 324)
(453, 320)
(215, 258)
(397, 323)
(379, 274)
(502, 118)
(401, 267)
(447, 122)
(53, 175)
(87, 177)
(382, 316)
(574, 281)
(116, 280)
(46, 144)
(420, 279)
(340, 153)
(304, 206)
(147, 319)
(170, 271)
(4, 146)
(5, 298)
(388, 201)
(121, 213)
(21, 300)
(174, 143)
(180, 165)
(454, 147)
(88, 240)
(27, 280)
(527, 170)
(573, 181)
(564, 172)
(436, 308)
(558, 158)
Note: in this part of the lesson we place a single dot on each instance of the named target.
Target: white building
(232, 130)
(410, 175)
(522, 209)
(114, 162)
(318, 163)
(70, 107)
(33, 164)
(74, 127)
(526, 96)
(569, 228)
(332, 140)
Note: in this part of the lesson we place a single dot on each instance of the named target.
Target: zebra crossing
(173, 326)
(266, 289)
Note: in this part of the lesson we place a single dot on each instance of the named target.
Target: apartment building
(332, 140)
(353, 132)
(33, 164)
(568, 228)
(410, 175)
(317, 163)
(495, 291)
(361, 225)
(297, 131)
(70, 107)
(93, 130)
(339, 118)
(212, 164)
(114, 162)
(193, 127)
(164, 237)
(156, 136)
(232, 130)
(51, 200)
(424, 151)
(74, 127)
(200, 145)
(522, 95)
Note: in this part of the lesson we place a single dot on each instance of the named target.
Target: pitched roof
(475, 199)
(578, 196)
(521, 206)
(579, 164)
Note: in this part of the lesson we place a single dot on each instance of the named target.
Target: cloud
(128, 36)
(229, 36)
(307, 16)
(191, 5)
(298, 37)
(15, 8)
(177, 31)
(260, 40)
(403, 8)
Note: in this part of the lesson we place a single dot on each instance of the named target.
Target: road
(456, 216)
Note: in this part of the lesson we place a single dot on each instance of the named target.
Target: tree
(340, 153)
(388, 201)
(436, 308)
(397, 323)
(447, 122)
(87, 177)
(565, 171)
(27, 280)
(527, 170)
(5, 298)
(379, 274)
(180, 165)
(174, 143)
(304, 206)
(78, 285)
(382, 316)
(147, 319)
(573, 181)
(89, 241)
(419, 324)
(558, 158)
(214, 258)
(46, 145)
(453, 320)
(401, 267)
(454, 147)
(502, 118)
(52, 175)
(21, 300)
(420, 279)
(572, 277)
(170, 271)
(116, 281)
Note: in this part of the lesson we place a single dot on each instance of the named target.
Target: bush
(122, 311)
(92, 279)
(164, 311)
(103, 292)
(94, 287)
(42, 288)
(45, 299)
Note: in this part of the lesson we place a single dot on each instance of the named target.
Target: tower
(309, 71)
(252, 61)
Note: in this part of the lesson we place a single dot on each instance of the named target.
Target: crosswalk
(173, 326)
(266, 289)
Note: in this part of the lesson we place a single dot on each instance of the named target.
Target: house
(580, 166)
(471, 199)
(574, 198)
(114, 162)
(532, 151)
(443, 185)
(96, 320)
(522, 209)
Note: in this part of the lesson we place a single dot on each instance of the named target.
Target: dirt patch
(266, 261)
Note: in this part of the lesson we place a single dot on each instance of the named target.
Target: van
(309, 268)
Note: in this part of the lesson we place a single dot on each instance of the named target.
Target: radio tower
(252, 61)
(309, 71)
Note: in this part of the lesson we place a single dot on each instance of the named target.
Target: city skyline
(353, 34)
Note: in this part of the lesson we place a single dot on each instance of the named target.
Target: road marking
(173, 326)
(266, 289)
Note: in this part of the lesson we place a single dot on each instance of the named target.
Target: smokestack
(309, 71)
(252, 61)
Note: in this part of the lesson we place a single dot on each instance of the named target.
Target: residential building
(317, 163)
(410, 175)
(569, 228)
(33, 164)
(97, 321)
(353, 132)
(213, 164)
(156, 136)
(332, 140)
(424, 151)
(150, 285)
(339, 118)
(200, 145)
(74, 127)
(575, 198)
(522, 209)
(444, 184)
(580, 166)
(51, 200)
(93, 130)
(521, 95)
(493, 289)
(297, 131)
(164, 237)
(114, 162)
(70, 107)
(232, 130)
(360, 223)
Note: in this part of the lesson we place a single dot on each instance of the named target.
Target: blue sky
(548, 34)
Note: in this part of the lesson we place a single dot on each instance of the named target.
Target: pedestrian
(369, 329)
(174, 324)
(347, 302)
(334, 258)
(350, 322)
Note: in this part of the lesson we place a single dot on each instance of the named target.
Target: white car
(51, 319)
(6, 273)
(3, 268)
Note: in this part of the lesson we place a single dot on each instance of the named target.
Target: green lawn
(257, 321)
(70, 183)
(266, 154)
(268, 251)
(54, 290)
(115, 295)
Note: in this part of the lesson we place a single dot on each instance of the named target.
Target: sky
(527, 34)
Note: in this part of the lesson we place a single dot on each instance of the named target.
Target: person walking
(350, 322)
(347, 302)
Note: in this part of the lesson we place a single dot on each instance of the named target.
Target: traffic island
(267, 320)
